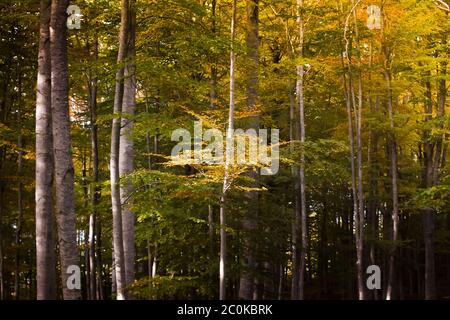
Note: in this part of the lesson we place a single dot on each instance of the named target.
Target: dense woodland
(87, 178)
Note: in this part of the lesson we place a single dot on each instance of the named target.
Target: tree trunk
(293, 135)
(45, 251)
(360, 217)
(119, 262)
(99, 264)
(293, 132)
(213, 105)
(126, 149)
(249, 223)
(372, 164)
(19, 197)
(226, 178)
(352, 154)
(64, 171)
(393, 169)
(149, 260)
(113, 271)
(86, 232)
(213, 80)
(95, 189)
(301, 177)
(356, 170)
(428, 216)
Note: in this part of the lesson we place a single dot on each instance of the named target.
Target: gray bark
(45, 252)
(372, 160)
(126, 150)
(213, 104)
(119, 260)
(213, 80)
(222, 214)
(357, 193)
(358, 120)
(393, 169)
(64, 171)
(95, 190)
(301, 177)
(19, 198)
(249, 223)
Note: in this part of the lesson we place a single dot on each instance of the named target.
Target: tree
(94, 222)
(118, 244)
(247, 288)
(64, 171)
(126, 148)
(356, 168)
(45, 253)
(302, 184)
(393, 171)
(229, 154)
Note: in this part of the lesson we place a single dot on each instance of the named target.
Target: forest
(224, 150)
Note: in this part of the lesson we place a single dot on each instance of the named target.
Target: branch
(441, 4)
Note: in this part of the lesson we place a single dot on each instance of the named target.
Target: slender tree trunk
(155, 260)
(126, 149)
(360, 217)
(45, 251)
(86, 244)
(113, 271)
(372, 163)
(99, 263)
(64, 171)
(155, 251)
(393, 169)
(91, 249)
(428, 216)
(439, 161)
(352, 156)
(358, 202)
(293, 132)
(229, 155)
(430, 273)
(19, 198)
(95, 190)
(150, 260)
(213, 105)
(150, 257)
(119, 262)
(301, 177)
(280, 283)
(213, 80)
(249, 223)
(358, 115)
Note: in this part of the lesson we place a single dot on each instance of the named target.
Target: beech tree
(45, 253)
(126, 148)
(118, 243)
(64, 171)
